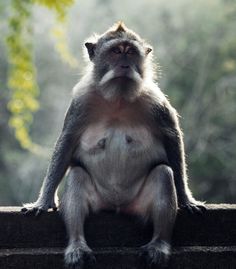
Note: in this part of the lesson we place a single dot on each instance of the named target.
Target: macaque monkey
(121, 146)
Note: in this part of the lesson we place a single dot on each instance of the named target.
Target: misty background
(195, 48)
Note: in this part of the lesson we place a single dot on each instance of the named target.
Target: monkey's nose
(125, 66)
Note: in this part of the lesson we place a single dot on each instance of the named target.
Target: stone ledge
(107, 229)
(207, 241)
(118, 258)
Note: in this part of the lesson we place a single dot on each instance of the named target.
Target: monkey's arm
(174, 146)
(59, 163)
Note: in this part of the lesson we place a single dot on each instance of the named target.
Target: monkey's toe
(74, 266)
(155, 253)
(75, 258)
(89, 257)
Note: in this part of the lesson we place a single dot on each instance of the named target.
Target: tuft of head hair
(119, 30)
(119, 26)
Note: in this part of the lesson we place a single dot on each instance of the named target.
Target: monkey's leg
(158, 201)
(75, 206)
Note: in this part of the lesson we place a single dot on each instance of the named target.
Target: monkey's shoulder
(151, 106)
(156, 101)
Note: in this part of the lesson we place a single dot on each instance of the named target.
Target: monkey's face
(121, 64)
(119, 58)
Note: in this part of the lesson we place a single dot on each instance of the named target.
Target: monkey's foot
(192, 207)
(37, 208)
(75, 257)
(156, 253)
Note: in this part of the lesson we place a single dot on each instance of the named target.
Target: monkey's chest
(118, 157)
(118, 150)
(113, 141)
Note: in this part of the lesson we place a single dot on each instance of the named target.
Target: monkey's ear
(91, 49)
(148, 50)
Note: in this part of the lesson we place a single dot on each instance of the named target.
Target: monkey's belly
(118, 159)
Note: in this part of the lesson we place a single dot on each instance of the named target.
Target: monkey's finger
(197, 210)
(191, 208)
(202, 208)
(187, 208)
(38, 212)
(30, 211)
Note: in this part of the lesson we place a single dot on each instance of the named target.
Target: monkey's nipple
(128, 139)
(102, 143)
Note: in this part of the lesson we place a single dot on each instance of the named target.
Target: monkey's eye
(116, 50)
(131, 51)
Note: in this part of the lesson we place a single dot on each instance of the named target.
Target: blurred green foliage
(22, 74)
(22, 78)
(59, 6)
(194, 43)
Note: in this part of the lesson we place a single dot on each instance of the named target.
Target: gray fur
(123, 148)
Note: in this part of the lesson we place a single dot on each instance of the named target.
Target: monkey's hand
(37, 208)
(192, 206)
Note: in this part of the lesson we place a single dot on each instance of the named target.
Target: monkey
(121, 146)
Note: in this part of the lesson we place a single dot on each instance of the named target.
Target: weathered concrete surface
(217, 227)
(121, 258)
(207, 241)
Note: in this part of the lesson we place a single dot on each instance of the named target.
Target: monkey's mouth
(123, 81)
(122, 78)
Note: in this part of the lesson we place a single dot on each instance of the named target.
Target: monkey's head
(121, 62)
